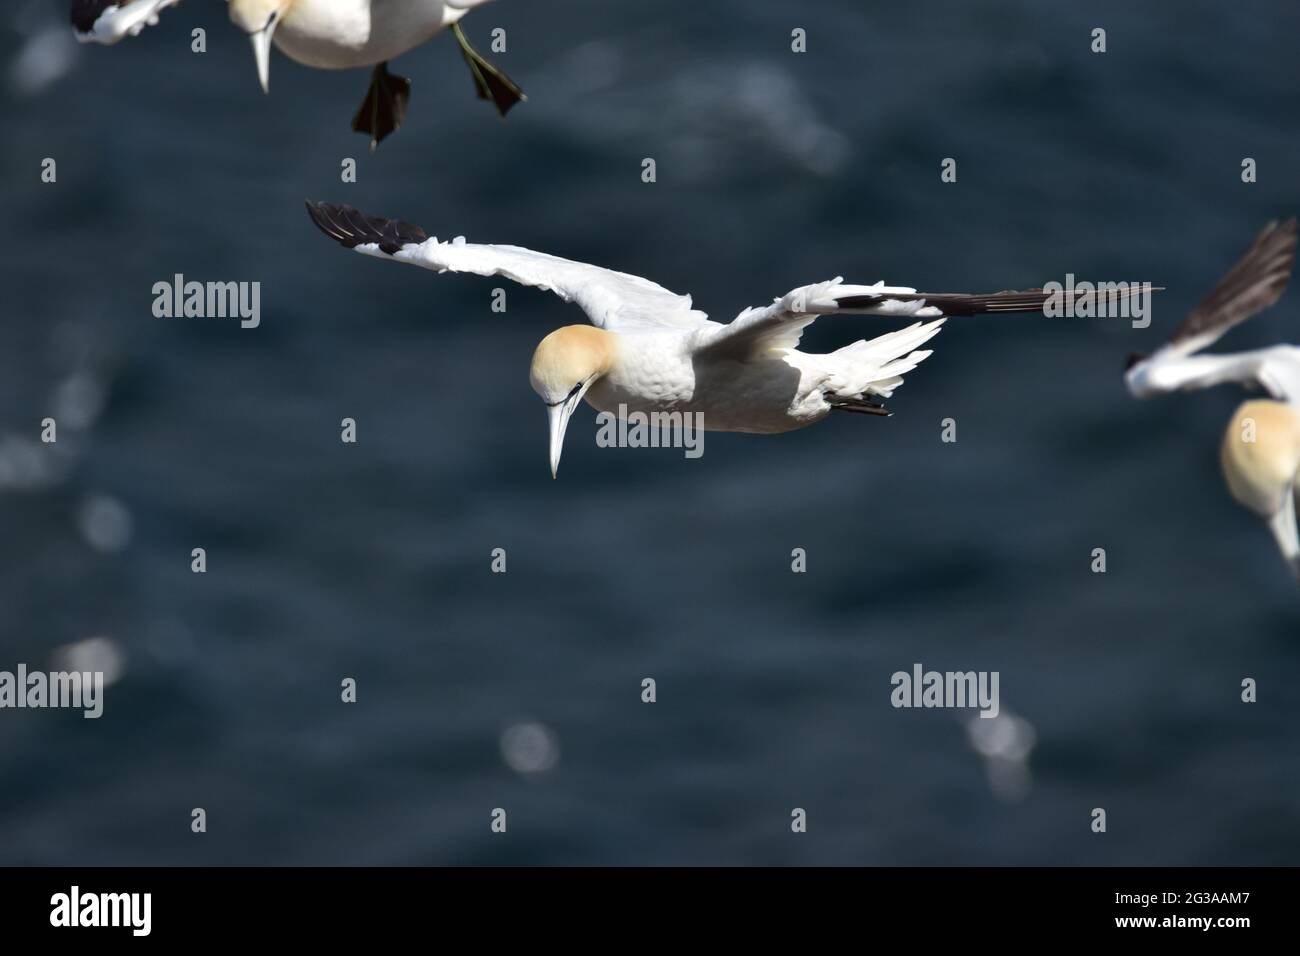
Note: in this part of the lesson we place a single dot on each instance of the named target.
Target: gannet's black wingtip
(324, 216)
(350, 227)
(1007, 301)
(1255, 282)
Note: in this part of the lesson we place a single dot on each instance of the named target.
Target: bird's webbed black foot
(489, 82)
(384, 107)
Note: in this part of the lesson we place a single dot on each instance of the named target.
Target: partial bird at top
(647, 350)
(108, 21)
(328, 35)
(343, 34)
(1260, 452)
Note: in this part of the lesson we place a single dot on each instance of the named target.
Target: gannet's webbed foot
(384, 107)
(489, 82)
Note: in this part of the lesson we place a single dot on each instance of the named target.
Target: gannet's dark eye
(572, 392)
(1133, 359)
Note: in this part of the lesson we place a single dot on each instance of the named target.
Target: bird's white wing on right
(612, 300)
(108, 21)
(1255, 282)
(1276, 370)
(1279, 373)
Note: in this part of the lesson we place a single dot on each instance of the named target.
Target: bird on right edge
(1260, 452)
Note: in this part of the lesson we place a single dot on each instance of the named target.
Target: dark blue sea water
(372, 561)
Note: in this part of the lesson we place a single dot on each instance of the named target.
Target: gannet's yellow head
(567, 363)
(1261, 458)
(259, 18)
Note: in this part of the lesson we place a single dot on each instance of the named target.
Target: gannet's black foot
(384, 107)
(489, 82)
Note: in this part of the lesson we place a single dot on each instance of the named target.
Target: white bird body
(771, 391)
(651, 351)
(656, 373)
(1260, 451)
(344, 34)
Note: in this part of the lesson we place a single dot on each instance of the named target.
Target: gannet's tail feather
(875, 367)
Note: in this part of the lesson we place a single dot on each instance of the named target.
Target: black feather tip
(351, 227)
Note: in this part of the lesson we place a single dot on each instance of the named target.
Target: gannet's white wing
(779, 325)
(108, 21)
(611, 300)
(1255, 282)
(1276, 370)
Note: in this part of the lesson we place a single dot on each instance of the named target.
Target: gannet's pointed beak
(262, 54)
(1285, 532)
(559, 415)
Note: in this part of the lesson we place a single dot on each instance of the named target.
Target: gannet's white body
(651, 351)
(325, 34)
(344, 34)
(1260, 452)
(757, 388)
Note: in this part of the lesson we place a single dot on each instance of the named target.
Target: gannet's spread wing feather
(611, 300)
(1255, 282)
(961, 303)
(780, 324)
(1276, 370)
(353, 228)
(108, 21)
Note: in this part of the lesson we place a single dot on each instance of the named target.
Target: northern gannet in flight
(1260, 453)
(108, 21)
(648, 351)
(343, 34)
